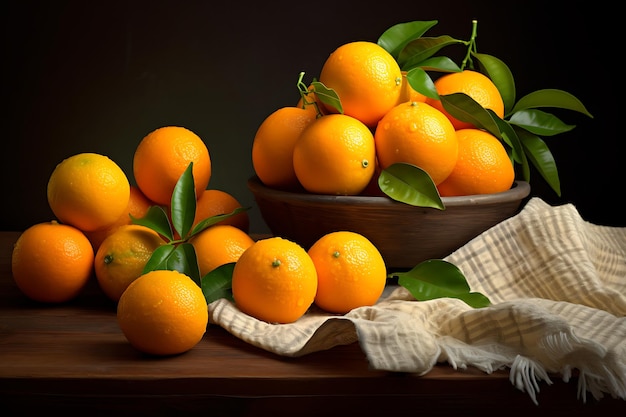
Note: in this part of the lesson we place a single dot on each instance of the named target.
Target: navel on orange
(335, 155)
(417, 134)
(367, 79)
(274, 280)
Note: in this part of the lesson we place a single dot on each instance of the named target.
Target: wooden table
(73, 358)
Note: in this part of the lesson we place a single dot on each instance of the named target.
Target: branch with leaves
(522, 129)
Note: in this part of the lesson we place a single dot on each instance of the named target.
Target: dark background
(98, 76)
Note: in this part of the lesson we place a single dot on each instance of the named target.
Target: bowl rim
(519, 191)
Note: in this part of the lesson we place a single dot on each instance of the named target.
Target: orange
(121, 257)
(218, 245)
(483, 166)
(213, 202)
(367, 79)
(52, 262)
(274, 280)
(138, 206)
(408, 93)
(418, 134)
(162, 157)
(163, 313)
(272, 148)
(476, 85)
(88, 191)
(351, 271)
(335, 155)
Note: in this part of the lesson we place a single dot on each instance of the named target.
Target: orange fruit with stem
(52, 262)
(417, 134)
(351, 272)
(122, 256)
(367, 79)
(162, 313)
(161, 158)
(335, 155)
(483, 166)
(274, 280)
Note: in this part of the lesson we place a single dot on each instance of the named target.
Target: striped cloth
(558, 290)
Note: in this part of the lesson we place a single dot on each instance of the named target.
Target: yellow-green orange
(88, 191)
(122, 256)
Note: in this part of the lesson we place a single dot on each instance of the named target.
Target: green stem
(304, 92)
(471, 47)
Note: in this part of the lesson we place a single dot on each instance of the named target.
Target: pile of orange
(382, 120)
(92, 235)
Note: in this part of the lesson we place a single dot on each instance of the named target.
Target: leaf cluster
(522, 129)
(178, 253)
(525, 121)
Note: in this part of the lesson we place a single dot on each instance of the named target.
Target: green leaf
(210, 221)
(183, 206)
(411, 185)
(501, 75)
(466, 109)
(328, 96)
(180, 257)
(436, 278)
(421, 49)
(550, 98)
(509, 137)
(541, 158)
(157, 220)
(439, 64)
(421, 82)
(158, 259)
(539, 122)
(397, 36)
(218, 283)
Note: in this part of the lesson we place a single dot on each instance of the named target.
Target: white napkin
(558, 290)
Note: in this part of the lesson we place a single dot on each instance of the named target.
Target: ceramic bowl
(405, 235)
